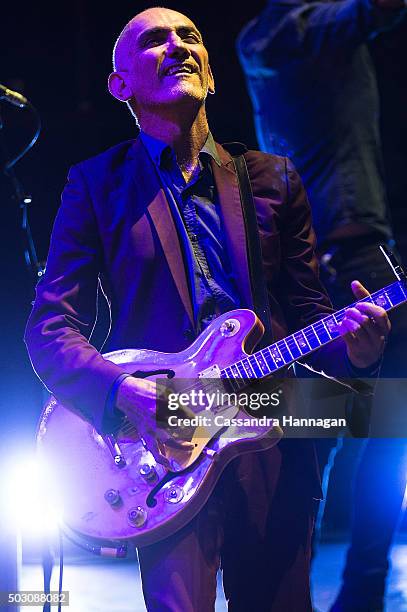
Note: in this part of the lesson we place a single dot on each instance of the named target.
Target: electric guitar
(111, 488)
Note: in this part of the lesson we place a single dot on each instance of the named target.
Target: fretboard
(306, 340)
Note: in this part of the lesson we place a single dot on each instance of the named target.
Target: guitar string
(317, 326)
(389, 292)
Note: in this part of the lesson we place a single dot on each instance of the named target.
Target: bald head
(122, 51)
(161, 65)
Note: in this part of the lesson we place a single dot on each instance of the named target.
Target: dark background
(59, 56)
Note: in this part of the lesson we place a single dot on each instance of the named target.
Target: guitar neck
(304, 341)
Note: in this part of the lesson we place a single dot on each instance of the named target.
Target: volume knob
(148, 473)
(173, 494)
(137, 517)
(112, 496)
(230, 327)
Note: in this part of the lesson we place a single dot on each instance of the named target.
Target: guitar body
(114, 489)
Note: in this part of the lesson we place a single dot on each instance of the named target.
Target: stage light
(29, 493)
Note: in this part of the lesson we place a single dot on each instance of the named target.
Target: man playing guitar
(158, 220)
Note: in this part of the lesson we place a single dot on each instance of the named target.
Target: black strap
(258, 286)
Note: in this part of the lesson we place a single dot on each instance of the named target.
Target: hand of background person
(364, 328)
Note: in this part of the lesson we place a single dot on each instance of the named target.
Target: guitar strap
(258, 285)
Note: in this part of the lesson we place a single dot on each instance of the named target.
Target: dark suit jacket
(115, 223)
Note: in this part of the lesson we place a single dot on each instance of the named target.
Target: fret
(293, 347)
(331, 325)
(235, 371)
(262, 363)
(311, 337)
(302, 342)
(272, 357)
(255, 366)
(388, 297)
(277, 357)
(321, 332)
(241, 370)
(248, 368)
(381, 299)
(398, 293)
(400, 287)
(284, 352)
(326, 328)
(268, 358)
(292, 358)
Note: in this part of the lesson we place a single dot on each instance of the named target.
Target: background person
(314, 92)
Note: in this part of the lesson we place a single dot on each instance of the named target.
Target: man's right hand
(136, 398)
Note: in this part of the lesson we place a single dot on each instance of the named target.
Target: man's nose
(177, 47)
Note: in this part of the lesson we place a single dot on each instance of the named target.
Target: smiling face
(160, 61)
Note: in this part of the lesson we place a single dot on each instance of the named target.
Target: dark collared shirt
(195, 207)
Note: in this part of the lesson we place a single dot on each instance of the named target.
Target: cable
(61, 569)
(10, 164)
(23, 199)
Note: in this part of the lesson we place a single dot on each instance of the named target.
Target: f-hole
(143, 374)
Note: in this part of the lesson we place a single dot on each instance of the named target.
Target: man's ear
(118, 86)
(211, 81)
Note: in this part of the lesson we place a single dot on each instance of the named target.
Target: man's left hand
(364, 328)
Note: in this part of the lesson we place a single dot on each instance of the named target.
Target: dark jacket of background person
(315, 99)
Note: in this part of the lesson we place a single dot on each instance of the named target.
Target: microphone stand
(10, 536)
(22, 197)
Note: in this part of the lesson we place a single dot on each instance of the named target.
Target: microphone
(13, 97)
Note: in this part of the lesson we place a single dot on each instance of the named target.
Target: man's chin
(184, 91)
(188, 100)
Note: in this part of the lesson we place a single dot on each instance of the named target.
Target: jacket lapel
(159, 210)
(233, 222)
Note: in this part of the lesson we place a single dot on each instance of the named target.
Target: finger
(356, 315)
(372, 328)
(372, 335)
(370, 309)
(347, 326)
(351, 327)
(154, 446)
(369, 331)
(377, 314)
(359, 291)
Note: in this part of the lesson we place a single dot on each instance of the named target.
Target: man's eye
(191, 38)
(153, 42)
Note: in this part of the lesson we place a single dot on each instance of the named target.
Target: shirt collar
(159, 149)
(210, 149)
